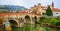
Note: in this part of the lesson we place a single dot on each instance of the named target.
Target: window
(56, 13)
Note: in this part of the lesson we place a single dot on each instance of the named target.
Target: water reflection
(35, 27)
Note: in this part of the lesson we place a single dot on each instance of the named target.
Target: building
(42, 9)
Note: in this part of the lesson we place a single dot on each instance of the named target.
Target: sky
(30, 3)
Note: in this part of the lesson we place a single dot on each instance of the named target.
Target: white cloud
(13, 2)
(29, 3)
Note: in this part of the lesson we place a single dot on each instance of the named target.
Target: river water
(36, 27)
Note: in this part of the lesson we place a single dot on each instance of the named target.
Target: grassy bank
(52, 21)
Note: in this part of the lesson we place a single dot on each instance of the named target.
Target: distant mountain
(12, 7)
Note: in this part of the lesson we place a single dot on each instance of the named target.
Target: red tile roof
(56, 10)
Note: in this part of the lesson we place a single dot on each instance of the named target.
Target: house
(56, 12)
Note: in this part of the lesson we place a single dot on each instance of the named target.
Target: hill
(11, 8)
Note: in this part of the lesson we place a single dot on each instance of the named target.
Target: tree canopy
(49, 11)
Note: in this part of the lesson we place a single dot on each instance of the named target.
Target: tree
(49, 11)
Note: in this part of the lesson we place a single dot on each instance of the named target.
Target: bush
(53, 21)
(50, 20)
(44, 13)
(58, 25)
(43, 19)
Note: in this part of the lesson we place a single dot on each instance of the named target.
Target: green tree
(49, 11)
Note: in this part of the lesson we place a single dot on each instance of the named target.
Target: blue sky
(30, 3)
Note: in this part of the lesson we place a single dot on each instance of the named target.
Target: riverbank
(47, 24)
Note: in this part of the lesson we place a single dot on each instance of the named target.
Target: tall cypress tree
(49, 11)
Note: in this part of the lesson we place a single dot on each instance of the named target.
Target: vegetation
(49, 11)
(50, 20)
(43, 13)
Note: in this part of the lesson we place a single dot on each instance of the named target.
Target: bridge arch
(13, 23)
(27, 18)
(35, 17)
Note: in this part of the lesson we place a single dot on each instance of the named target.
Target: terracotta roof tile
(56, 10)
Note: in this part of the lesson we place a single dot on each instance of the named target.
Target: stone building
(42, 9)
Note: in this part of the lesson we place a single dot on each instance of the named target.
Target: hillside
(11, 8)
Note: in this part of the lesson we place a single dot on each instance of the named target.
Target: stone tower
(52, 6)
(39, 9)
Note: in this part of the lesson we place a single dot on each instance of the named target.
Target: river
(36, 27)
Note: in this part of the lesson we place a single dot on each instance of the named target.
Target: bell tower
(52, 5)
(39, 9)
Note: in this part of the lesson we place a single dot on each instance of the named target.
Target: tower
(39, 9)
(39, 5)
(52, 4)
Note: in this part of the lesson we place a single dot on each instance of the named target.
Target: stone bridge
(18, 19)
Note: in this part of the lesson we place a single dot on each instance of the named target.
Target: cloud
(30, 3)
(13, 2)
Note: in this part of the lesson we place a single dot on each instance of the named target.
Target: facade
(56, 13)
